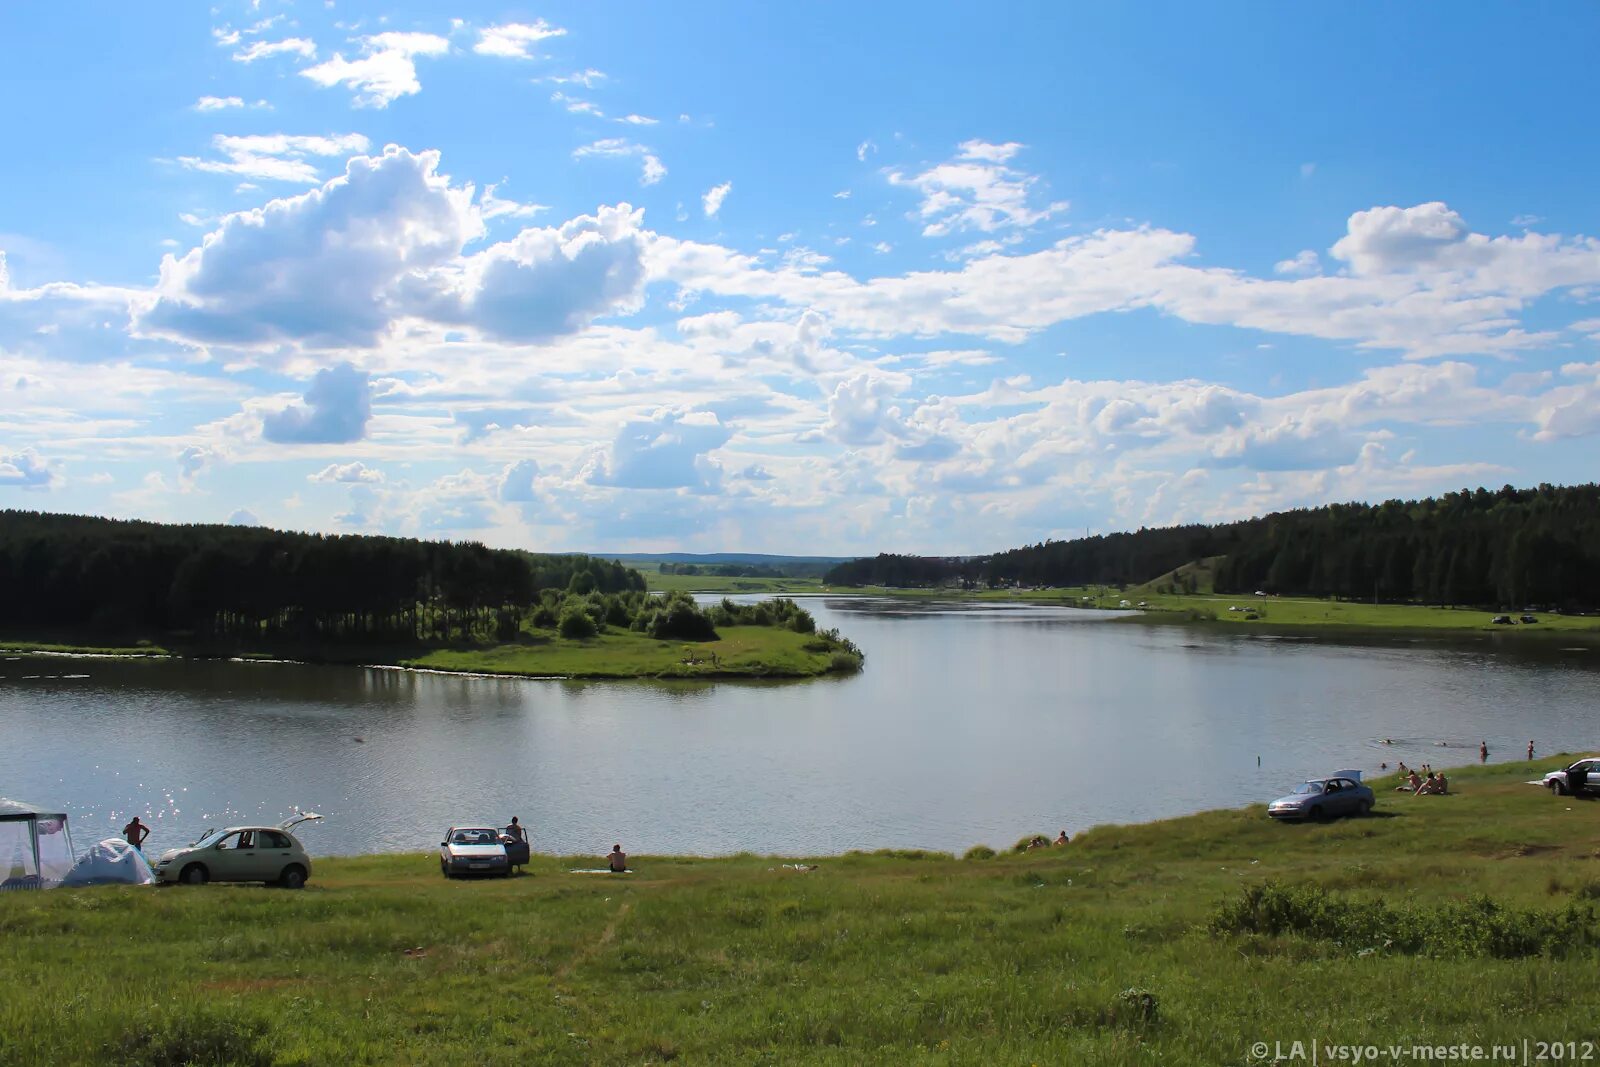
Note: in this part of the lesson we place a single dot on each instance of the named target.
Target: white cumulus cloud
(515, 40)
(385, 70)
(297, 46)
(275, 156)
(652, 170)
(712, 201)
(977, 191)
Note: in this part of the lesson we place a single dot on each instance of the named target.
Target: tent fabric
(19, 809)
(35, 846)
(111, 862)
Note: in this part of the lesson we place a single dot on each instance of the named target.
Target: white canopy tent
(35, 846)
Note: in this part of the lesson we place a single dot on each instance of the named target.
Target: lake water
(973, 723)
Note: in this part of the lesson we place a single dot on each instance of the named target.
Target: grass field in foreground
(1098, 952)
(757, 651)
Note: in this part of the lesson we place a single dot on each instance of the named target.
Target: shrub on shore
(1478, 926)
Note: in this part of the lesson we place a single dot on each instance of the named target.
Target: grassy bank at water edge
(739, 652)
(1441, 920)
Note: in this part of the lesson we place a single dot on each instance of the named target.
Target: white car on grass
(1581, 778)
(269, 854)
(473, 850)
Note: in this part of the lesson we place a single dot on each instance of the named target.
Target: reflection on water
(974, 722)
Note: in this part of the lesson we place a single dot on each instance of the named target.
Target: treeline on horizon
(1478, 547)
(71, 572)
(744, 570)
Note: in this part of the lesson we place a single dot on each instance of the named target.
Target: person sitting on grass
(1431, 786)
(618, 860)
(1061, 838)
(1412, 783)
(1441, 786)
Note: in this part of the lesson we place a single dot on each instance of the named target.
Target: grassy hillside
(655, 581)
(1197, 577)
(1121, 948)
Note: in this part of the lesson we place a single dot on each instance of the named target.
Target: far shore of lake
(1249, 611)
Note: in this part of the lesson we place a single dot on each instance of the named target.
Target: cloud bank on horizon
(610, 280)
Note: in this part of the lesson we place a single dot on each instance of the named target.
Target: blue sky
(796, 278)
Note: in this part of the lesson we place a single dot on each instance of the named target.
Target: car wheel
(1556, 788)
(1364, 808)
(1320, 813)
(444, 868)
(195, 874)
(293, 876)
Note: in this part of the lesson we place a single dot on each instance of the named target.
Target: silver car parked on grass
(1580, 778)
(1324, 798)
(269, 854)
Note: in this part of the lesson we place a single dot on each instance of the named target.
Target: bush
(1134, 1008)
(1476, 927)
(844, 662)
(680, 619)
(202, 1037)
(979, 852)
(576, 624)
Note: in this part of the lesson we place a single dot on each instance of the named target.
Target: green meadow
(707, 583)
(739, 651)
(1438, 920)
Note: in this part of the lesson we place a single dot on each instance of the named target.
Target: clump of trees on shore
(672, 617)
(242, 583)
(1474, 547)
(68, 572)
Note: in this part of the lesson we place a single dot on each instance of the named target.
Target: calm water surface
(972, 723)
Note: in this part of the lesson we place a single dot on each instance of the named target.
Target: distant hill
(718, 557)
(1475, 547)
(732, 564)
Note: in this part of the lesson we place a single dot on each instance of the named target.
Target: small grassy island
(639, 636)
(77, 584)
(1469, 918)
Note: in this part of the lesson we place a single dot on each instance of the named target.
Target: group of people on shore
(1422, 781)
(1041, 841)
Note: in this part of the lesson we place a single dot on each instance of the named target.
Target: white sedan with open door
(269, 854)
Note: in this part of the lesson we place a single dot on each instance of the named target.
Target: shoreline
(1305, 615)
(1421, 923)
(742, 654)
(1384, 785)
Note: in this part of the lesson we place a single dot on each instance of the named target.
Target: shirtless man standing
(136, 832)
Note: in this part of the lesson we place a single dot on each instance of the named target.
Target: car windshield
(1307, 788)
(475, 837)
(211, 838)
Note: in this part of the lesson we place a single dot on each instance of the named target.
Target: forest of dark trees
(1475, 547)
(69, 573)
